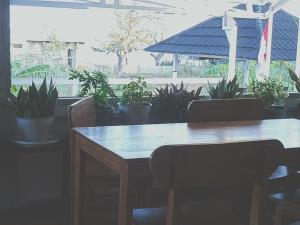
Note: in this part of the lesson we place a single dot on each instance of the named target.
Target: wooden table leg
(79, 159)
(258, 204)
(125, 201)
(71, 169)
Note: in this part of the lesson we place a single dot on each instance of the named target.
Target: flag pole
(269, 44)
(297, 69)
(230, 28)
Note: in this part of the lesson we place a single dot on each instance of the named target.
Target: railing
(116, 81)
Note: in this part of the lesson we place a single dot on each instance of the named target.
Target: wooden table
(126, 149)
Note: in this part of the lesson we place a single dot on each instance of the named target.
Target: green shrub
(135, 93)
(271, 90)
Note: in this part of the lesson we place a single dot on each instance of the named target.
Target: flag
(262, 54)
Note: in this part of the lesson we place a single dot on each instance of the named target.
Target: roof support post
(232, 39)
(246, 72)
(175, 65)
(297, 69)
(269, 44)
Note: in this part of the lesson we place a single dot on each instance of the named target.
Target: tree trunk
(157, 58)
(120, 63)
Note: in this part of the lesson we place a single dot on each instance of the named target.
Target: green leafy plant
(295, 78)
(171, 102)
(224, 89)
(96, 84)
(135, 93)
(271, 90)
(34, 102)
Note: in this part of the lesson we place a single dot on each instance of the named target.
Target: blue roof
(209, 40)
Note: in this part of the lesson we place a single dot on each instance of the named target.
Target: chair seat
(191, 213)
(292, 197)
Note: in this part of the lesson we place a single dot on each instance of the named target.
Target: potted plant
(295, 78)
(225, 89)
(273, 93)
(35, 112)
(135, 102)
(96, 84)
(170, 103)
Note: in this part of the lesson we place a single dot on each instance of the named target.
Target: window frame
(5, 69)
(5, 72)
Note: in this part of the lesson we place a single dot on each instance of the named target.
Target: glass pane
(48, 38)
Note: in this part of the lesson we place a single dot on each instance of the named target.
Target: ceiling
(213, 7)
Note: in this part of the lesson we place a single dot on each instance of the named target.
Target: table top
(139, 141)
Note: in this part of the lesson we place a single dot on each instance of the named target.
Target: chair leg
(85, 200)
(278, 219)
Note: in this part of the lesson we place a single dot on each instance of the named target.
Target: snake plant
(224, 89)
(35, 102)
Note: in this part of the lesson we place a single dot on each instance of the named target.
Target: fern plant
(34, 102)
(224, 89)
(96, 84)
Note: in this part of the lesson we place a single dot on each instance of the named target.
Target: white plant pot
(34, 130)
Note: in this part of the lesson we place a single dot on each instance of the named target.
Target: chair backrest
(222, 168)
(213, 165)
(82, 113)
(226, 110)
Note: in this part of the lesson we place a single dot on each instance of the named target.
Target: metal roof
(208, 39)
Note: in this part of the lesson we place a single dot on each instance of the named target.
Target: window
(50, 39)
(71, 58)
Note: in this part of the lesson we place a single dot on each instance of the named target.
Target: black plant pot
(167, 114)
(275, 112)
(134, 114)
(104, 117)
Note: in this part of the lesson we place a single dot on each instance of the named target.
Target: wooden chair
(83, 114)
(185, 170)
(226, 110)
(237, 110)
